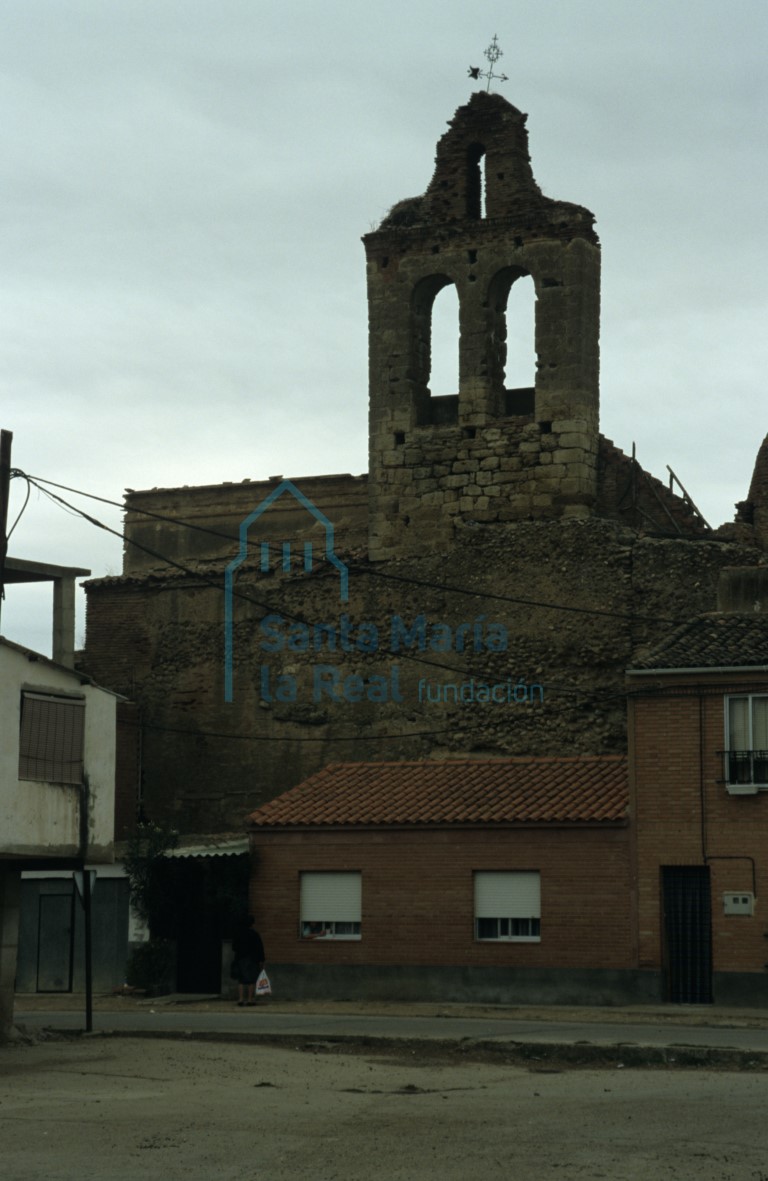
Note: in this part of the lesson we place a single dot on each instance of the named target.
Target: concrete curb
(674, 1017)
(535, 1055)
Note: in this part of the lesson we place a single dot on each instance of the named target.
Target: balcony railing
(747, 767)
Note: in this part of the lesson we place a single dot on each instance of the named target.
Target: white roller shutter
(507, 895)
(331, 897)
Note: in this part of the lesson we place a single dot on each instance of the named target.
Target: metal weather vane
(493, 53)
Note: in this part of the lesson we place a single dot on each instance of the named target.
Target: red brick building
(586, 879)
(499, 880)
(698, 741)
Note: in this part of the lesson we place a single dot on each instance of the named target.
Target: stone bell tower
(486, 453)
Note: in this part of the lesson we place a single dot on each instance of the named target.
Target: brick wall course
(418, 900)
(159, 639)
(682, 814)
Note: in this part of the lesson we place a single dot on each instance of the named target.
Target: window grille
(746, 759)
(747, 766)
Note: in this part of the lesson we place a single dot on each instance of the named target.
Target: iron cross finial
(493, 53)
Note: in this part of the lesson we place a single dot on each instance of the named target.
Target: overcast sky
(184, 188)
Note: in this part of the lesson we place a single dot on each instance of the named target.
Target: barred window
(747, 732)
(51, 738)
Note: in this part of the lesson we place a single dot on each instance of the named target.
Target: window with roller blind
(51, 738)
(331, 905)
(508, 906)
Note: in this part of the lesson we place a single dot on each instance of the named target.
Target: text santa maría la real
(279, 634)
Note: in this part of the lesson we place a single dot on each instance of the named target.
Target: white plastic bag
(263, 987)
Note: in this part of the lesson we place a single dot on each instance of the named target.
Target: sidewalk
(690, 1036)
(670, 1015)
(644, 1036)
(713, 1016)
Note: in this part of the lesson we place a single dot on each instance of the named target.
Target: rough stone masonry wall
(494, 461)
(202, 523)
(422, 472)
(577, 599)
(492, 520)
(754, 510)
(517, 471)
(628, 493)
(505, 472)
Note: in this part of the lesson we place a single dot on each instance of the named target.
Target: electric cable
(355, 567)
(201, 577)
(583, 696)
(16, 473)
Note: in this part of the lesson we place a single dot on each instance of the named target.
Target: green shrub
(152, 966)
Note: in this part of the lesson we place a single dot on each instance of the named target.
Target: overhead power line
(268, 608)
(464, 671)
(583, 696)
(357, 568)
(486, 594)
(37, 480)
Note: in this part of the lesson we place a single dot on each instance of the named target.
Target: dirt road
(124, 1110)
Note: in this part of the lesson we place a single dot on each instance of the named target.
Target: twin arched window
(508, 358)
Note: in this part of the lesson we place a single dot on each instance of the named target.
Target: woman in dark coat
(248, 951)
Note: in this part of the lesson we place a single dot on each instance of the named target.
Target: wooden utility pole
(6, 439)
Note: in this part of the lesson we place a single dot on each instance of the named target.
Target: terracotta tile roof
(467, 791)
(715, 640)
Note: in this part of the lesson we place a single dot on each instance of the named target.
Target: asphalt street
(141, 1108)
(196, 1087)
(265, 1022)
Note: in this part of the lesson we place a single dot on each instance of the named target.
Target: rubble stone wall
(398, 670)
(484, 454)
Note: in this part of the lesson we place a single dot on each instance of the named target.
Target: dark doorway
(198, 967)
(207, 898)
(55, 942)
(687, 934)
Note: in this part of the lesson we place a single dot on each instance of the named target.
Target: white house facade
(57, 783)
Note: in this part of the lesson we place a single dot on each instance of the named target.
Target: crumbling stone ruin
(503, 561)
(486, 453)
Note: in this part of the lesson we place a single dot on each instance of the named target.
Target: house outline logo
(285, 486)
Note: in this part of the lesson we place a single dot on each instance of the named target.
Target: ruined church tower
(487, 452)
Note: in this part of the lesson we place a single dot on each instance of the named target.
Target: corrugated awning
(233, 847)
